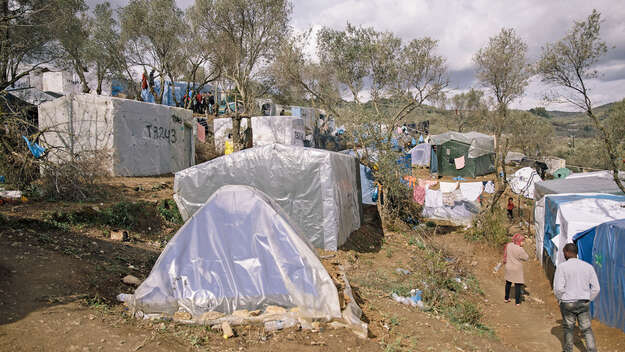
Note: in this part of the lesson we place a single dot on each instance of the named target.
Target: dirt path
(535, 325)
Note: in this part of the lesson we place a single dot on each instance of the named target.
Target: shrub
(489, 227)
(168, 210)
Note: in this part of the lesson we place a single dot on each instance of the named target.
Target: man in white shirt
(575, 285)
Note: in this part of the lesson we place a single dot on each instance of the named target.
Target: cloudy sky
(462, 27)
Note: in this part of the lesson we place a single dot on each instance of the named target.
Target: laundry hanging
(490, 187)
(433, 199)
(459, 162)
(447, 187)
(471, 190)
(418, 195)
(201, 133)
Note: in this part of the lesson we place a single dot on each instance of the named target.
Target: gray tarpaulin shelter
(319, 190)
(239, 251)
(590, 182)
(137, 138)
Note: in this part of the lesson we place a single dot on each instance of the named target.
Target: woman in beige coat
(513, 257)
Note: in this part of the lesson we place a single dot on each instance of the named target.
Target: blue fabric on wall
(608, 259)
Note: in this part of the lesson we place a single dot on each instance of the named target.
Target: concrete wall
(138, 139)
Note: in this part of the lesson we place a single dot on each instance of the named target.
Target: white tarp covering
(580, 215)
(539, 227)
(288, 130)
(515, 157)
(318, 189)
(239, 251)
(479, 143)
(461, 213)
(554, 164)
(523, 180)
(222, 127)
(420, 154)
(138, 139)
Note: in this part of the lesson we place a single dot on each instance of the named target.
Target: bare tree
(243, 35)
(502, 68)
(151, 34)
(568, 64)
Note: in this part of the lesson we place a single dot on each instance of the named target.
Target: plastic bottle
(124, 297)
(280, 324)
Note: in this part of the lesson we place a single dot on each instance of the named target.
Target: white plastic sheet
(319, 189)
(420, 154)
(461, 213)
(471, 190)
(239, 251)
(288, 130)
(523, 180)
(580, 215)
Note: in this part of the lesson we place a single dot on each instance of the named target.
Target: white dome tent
(239, 251)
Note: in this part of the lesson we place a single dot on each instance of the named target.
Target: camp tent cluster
(589, 209)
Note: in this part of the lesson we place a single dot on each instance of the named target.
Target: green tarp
(447, 152)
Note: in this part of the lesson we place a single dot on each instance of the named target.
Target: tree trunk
(609, 148)
(502, 183)
(236, 131)
(81, 75)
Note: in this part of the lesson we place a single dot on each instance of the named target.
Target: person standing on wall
(513, 257)
(575, 285)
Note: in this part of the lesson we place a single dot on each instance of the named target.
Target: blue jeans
(577, 311)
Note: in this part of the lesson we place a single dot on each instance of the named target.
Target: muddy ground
(59, 283)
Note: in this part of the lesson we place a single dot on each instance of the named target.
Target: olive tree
(72, 33)
(243, 35)
(151, 32)
(503, 70)
(467, 107)
(369, 81)
(569, 64)
(26, 40)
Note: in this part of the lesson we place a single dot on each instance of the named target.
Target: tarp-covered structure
(603, 247)
(420, 154)
(367, 182)
(559, 217)
(477, 149)
(134, 138)
(514, 157)
(319, 190)
(222, 127)
(523, 181)
(239, 251)
(287, 130)
(590, 182)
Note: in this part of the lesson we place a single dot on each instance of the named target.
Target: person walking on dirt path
(510, 208)
(513, 257)
(575, 285)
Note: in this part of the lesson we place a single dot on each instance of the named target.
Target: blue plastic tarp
(433, 162)
(552, 203)
(603, 246)
(367, 183)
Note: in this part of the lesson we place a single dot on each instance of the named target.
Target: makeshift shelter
(367, 183)
(287, 130)
(514, 157)
(523, 180)
(559, 217)
(319, 190)
(603, 247)
(222, 127)
(239, 251)
(137, 138)
(562, 173)
(464, 154)
(420, 154)
(554, 164)
(591, 182)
